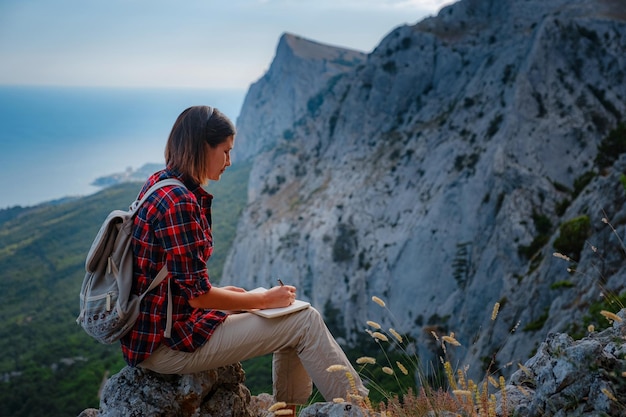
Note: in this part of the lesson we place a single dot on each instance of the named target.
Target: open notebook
(280, 311)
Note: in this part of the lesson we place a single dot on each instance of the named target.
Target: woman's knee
(312, 316)
(313, 312)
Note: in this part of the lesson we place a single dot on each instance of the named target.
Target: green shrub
(537, 324)
(611, 302)
(573, 234)
(611, 147)
(528, 251)
(543, 226)
(562, 206)
(622, 180)
(542, 223)
(561, 284)
(581, 182)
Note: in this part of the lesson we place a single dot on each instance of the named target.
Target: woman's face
(219, 158)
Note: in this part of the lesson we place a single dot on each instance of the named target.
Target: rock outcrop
(136, 392)
(335, 410)
(440, 173)
(217, 393)
(568, 378)
(300, 69)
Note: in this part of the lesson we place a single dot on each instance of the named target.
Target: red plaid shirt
(172, 227)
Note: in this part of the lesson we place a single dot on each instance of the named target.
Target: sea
(56, 141)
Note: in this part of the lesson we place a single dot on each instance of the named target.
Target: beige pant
(302, 345)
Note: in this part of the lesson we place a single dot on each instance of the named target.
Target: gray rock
(139, 392)
(335, 410)
(90, 412)
(572, 378)
(301, 66)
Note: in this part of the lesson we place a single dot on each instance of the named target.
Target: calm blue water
(54, 141)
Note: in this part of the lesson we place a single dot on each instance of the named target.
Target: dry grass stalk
(365, 360)
(396, 335)
(465, 396)
(378, 301)
(494, 312)
(612, 317)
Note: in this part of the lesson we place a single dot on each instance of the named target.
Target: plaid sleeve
(186, 237)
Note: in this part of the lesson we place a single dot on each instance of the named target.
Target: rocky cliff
(441, 171)
(300, 69)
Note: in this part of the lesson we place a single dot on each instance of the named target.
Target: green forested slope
(48, 366)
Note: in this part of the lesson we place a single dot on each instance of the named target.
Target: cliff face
(300, 69)
(436, 174)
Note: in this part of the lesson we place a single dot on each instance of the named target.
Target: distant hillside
(49, 367)
(129, 175)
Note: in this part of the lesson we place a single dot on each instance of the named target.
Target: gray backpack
(108, 310)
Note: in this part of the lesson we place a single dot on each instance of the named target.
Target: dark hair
(196, 128)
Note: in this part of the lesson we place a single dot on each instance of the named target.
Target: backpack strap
(168, 324)
(159, 184)
(163, 272)
(155, 282)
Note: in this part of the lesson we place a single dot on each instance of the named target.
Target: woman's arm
(232, 298)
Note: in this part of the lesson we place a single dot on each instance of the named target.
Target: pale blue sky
(184, 43)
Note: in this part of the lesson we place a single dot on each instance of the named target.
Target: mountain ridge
(438, 173)
(304, 62)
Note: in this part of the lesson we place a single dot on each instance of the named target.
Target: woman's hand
(281, 296)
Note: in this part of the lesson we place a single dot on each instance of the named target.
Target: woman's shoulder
(170, 195)
(174, 195)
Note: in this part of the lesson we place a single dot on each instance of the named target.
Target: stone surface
(335, 410)
(137, 392)
(301, 66)
(573, 378)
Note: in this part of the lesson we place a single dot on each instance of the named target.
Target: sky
(207, 44)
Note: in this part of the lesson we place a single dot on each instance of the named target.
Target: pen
(280, 282)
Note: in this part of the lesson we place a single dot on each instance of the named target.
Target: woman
(173, 229)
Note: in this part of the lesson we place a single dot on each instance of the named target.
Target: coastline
(56, 141)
